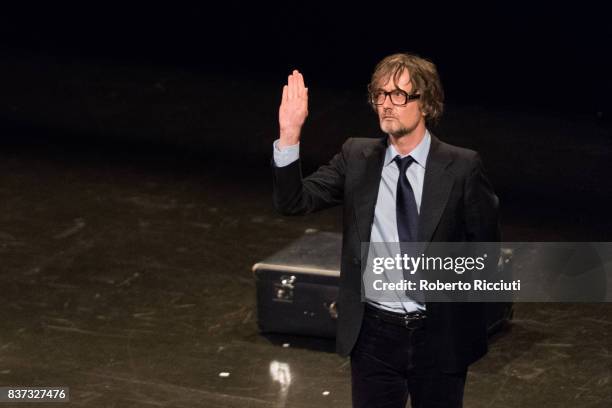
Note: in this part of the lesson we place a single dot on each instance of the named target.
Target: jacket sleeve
(294, 195)
(482, 218)
(481, 206)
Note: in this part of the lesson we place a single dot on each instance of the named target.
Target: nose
(387, 102)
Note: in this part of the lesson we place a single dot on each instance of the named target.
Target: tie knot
(403, 163)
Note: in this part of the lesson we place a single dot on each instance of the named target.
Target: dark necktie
(407, 221)
(405, 204)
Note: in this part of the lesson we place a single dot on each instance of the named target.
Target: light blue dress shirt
(384, 227)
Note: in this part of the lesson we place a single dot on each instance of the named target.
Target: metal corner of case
(255, 267)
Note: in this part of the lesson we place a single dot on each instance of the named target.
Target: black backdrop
(551, 57)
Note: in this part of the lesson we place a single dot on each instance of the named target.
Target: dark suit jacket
(458, 204)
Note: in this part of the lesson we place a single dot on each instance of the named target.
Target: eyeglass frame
(409, 97)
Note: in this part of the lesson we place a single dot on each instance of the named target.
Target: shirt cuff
(287, 155)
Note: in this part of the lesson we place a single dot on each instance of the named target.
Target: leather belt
(410, 320)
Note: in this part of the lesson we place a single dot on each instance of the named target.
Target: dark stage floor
(126, 275)
(132, 286)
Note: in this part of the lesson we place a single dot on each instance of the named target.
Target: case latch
(283, 291)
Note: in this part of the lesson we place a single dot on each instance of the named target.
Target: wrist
(289, 137)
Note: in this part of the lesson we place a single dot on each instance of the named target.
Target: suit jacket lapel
(436, 189)
(366, 193)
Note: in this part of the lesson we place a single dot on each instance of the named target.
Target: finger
(296, 82)
(292, 87)
(284, 98)
(301, 86)
(298, 85)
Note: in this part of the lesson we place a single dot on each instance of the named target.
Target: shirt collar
(419, 153)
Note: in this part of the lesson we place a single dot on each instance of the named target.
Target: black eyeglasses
(398, 97)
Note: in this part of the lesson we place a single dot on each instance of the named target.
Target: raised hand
(293, 109)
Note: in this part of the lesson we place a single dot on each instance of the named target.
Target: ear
(423, 109)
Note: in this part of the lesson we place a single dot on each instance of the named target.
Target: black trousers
(390, 363)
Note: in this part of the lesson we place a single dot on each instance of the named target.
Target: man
(406, 187)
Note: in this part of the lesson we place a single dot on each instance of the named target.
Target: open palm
(294, 108)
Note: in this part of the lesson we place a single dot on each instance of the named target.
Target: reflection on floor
(133, 288)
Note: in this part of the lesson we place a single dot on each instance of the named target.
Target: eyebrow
(396, 88)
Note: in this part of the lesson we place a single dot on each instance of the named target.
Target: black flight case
(297, 288)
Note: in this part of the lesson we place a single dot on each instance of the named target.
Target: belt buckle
(409, 319)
